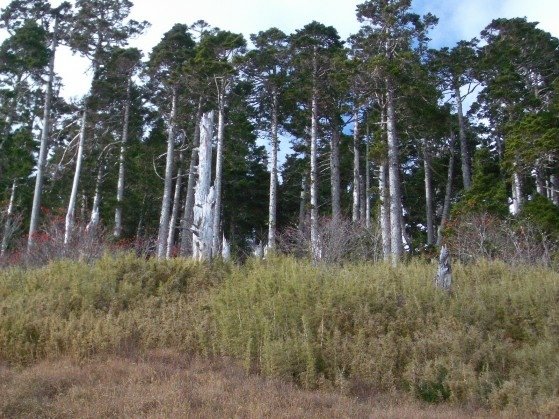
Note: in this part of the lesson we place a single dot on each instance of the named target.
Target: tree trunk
(428, 194)
(362, 200)
(273, 175)
(465, 154)
(335, 174)
(448, 192)
(37, 194)
(540, 182)
(187, 217)
(202, 226)
(384, 209)
(554, 181)
(219, 171)
(315, 241)
(517, 197)
(394, 183)
(95, 209)
(117, 233)
(70, 213)
(168, 186)
(356, 174)
(8, 224)
(175, 211)
(367, 184)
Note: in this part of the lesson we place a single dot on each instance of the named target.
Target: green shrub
(493, 342)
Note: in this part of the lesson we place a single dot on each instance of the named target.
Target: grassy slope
(493, 343)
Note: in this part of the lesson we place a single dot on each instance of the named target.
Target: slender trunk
(175, 211)
(554, 180)
(303, 203)
(273, 175)
(362, 200)
(516, 192)
(95, 209)
(367, 184)
(70, 213)
(428, 194)
(394, 183)
(540, 182)
(219, 172)
(187, 217)
(384, 209)
(356, 174)
(202, 232)
(448, 192)
(315, 242)
(36, 207)
(8, 226)
(168, 186)
(335, 174)
(465, 154)
(117, 233)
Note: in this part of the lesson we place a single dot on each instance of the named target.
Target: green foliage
(493, 342)
(541, 212)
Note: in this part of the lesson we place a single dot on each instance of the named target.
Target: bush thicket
(493, 342)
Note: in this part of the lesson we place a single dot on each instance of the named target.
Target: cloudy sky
(459, 19)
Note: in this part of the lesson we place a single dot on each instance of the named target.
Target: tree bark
(303, 203)
(8, 222)
(448, 192)
(219, 171)
(465, 154)
(202, 226)
(384, 210)
(356, 174)
(188, 215)
(70, 213)
(394, 184)
(168, 186)
(95, 209)
(117, 233)
(554, 181)
(315, 242)
(335, 174)
(367, 184)
(273, 175)
(37, 194)
(175, 211)
(517, 197)
(428, 178)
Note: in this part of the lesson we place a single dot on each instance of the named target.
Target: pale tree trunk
(303, 203)
(95, 209)
(175, 211)
(8, 224)
(362, 200)
(37, 194)
(70, 213)
(356, 174)
(367, 184)
(428, 178)
(168, 186)
(219, 171)
(465, 154)
(384, 209)
(517, 197)
(273, 175)
(202, 226)
(448, 193)
(554, 181)
(315, 241)
(394, 184)
(187, 216)
(335, 174)
(117, 233)
(540, 182)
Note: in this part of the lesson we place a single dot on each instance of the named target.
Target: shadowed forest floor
(168, 384)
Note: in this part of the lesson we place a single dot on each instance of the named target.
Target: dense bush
(493, 342)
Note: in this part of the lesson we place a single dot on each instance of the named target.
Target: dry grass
(167, 384)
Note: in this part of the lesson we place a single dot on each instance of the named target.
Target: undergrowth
(493, 342)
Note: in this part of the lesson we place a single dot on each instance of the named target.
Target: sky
(458, 19)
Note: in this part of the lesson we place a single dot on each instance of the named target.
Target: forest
(395, 148)
(233, 227)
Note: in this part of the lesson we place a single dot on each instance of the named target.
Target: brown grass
(167, 384)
